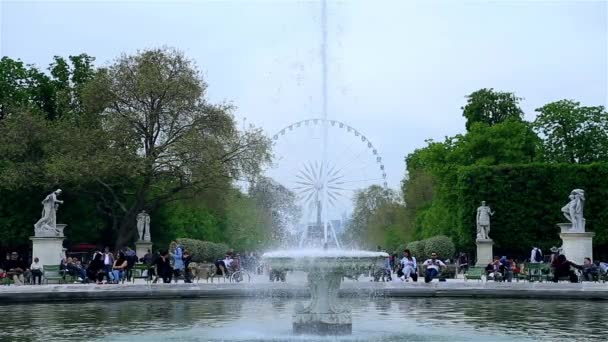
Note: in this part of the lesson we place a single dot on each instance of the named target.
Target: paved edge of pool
(78, 292)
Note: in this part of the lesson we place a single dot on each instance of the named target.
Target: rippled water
(408, 319)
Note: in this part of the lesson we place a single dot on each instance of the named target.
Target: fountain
(325, 267)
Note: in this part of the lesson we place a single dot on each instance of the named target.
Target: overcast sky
(398, 70)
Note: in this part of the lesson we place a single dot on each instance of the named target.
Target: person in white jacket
(408, 266)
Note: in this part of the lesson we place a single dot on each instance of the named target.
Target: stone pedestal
(577, 246)
(141, 248)
(324, 315)
(484, 252)
(48, 249)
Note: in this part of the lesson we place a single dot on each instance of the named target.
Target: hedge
(203, 251)
(441, 244)
(527, 200)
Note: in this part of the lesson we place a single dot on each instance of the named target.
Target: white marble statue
(143, 226)
(573, 211)
(483, 221)
(47, 225)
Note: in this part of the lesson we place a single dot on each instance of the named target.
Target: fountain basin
(326, 268)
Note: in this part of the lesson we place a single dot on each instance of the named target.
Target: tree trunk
(126, 229)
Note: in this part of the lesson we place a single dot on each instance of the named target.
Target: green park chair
(535, 272)
(6, 281)
(52, 273)
(138, 272)
(474, 273)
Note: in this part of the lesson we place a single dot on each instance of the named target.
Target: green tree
(491, 107)
(24, 87)
(159, 128)
(376, 218)
(508, 142)
(573, 133)
(277, 204)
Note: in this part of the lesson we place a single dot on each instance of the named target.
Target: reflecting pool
(269, 319)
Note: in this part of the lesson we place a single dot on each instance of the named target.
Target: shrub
(203, 251)
(417, 249)
(440, 244)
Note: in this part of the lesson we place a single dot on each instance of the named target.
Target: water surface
(269, 319)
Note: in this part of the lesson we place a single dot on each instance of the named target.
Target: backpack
(538, 256)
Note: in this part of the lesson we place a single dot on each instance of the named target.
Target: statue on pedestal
(573, 211)
(483, 221)
(47, 225)
(143, 226)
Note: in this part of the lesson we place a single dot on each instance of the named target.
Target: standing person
(108, 262)
(37, 270)
(536, 256)
(163, 267)
(432, 267)
(177, 255)
(131, 260)
(187, 272)
(408, 266)
(463, 263)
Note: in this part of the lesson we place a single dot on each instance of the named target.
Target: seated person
(36, 269)
(224, 265)
(590, 270)
(15, 268)
(408, 266)
(63, 266)
(493, 270)
(563, 268)
(506, 268)
(432, 267)
(149, 260)
(77, 270)
(95, 271)
(163, 267)
(119, 267)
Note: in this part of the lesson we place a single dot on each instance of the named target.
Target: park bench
(474, 273)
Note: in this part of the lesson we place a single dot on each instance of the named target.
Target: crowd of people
(406, 268)
(107, 267)
(172, 264)
(505, 269)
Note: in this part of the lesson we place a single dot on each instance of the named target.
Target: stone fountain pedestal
(142, 247)
(576, 245)
(484, 252)
(326, 268)
(324, 315)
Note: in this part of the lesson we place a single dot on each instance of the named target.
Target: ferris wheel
(324, 162)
